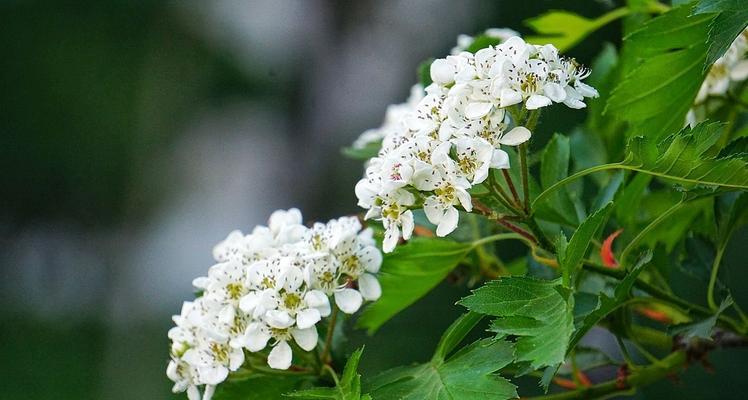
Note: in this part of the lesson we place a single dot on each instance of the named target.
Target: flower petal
(448, 222)
(369, 287)
(516, 136)
(280, 357)
(307, 318)
(537, 101)
(348, 300)
(305, 338)
(477, 110)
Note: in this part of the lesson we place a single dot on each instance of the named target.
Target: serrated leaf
(467, 375)
(455, 333)
(609, 304)
(349, 387)
(410, 272)
(571, 259)
(682, 158)
(662, 69)
(700, 329)
(731, 20)
(538, 312)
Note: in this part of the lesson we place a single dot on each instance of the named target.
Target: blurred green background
(135, 135)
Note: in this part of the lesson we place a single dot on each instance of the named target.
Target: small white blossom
(269, 288)
(452, 138)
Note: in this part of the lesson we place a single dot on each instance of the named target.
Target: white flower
(281, 330)
(213, 360)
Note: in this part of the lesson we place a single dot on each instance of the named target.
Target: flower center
(291, 300)
(267, 282)
(446, 194)
(220, 352)
(352, 266)
(234, 290)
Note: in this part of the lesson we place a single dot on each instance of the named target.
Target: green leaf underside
(663, 67)
(609, 304)
(533, 310)
(700, 329)
(580, 242)
(348, 389)
(467, 375)
(410, 272)
(729, 23)
(682, 157)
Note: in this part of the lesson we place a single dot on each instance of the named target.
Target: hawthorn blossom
(270, 288)
(452, 138)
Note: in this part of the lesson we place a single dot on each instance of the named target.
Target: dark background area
(135, 135)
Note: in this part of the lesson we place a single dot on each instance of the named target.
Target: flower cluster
(270, 287)
(435, 153)
(729, 69)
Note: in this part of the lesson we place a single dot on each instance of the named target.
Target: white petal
(201, 282)
(256, 337)
(305, 338)
(509, 97)
(280, 357)
(477, 110)
(391, 236)
(586, 90)
(537, 101)
(554, 91)
(236, 359)
(209, 391)
(369, 287)
(448, 223)
(371, 258)
(500, 159)
(249, 302)
(213, 374)
(406, 219)
(317, 299)
(193, 393)
(516, 136)
(442, 72)
(307, 318)
(278, 319)
(434, 211)
(348, 300)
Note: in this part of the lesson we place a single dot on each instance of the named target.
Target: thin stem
(501, 195)
(623, 166)
(713, 277)
(525, 173)
(333, 374)
(325, 357)
(660, 218)
(497, 237)
(638, 378)
(510, 184)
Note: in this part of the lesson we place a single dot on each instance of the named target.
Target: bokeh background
(136, 135)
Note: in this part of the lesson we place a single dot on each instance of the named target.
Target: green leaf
(348, 388)
(538, 312)
(700, 329)
(627, 205)
(662, 69)
(609, 304)
(455, 333)
(409, 273)
(565, 29)
(260, 387)
(365, 153)
(467, 375)
(683, 157)
(731, 20)
(580, 242)
(553, 168)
